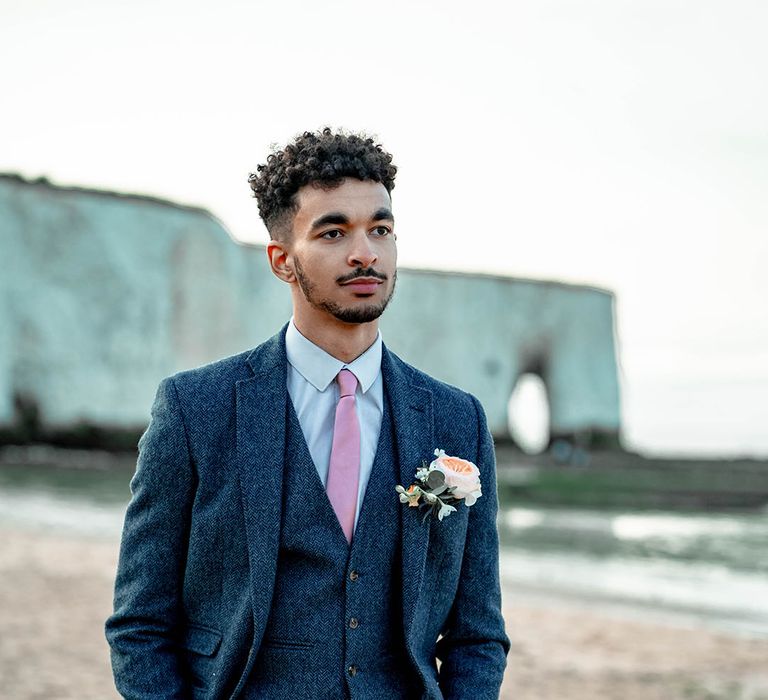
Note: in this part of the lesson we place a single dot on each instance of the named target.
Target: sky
(616, 143)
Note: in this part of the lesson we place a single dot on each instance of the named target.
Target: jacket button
(353, 623)
(352, 670)
(353, 575)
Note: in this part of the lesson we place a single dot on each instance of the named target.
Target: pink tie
(344, 469)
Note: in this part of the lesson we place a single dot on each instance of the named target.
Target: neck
(344, 341)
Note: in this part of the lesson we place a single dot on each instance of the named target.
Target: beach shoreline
(56, 592)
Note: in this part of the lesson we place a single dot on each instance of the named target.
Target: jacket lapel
(261, 411)
(412, 414)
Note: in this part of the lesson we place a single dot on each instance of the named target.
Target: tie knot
(347, 383)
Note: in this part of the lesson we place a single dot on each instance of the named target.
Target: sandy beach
(56, 590)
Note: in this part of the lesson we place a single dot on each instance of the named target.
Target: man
(266, 552)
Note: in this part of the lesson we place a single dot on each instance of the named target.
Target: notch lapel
(261, 411)
(412, 413)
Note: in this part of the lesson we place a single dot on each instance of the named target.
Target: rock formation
(104, 294)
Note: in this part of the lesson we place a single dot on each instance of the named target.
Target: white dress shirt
(314, 393)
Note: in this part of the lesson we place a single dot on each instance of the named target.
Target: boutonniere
(441, 483)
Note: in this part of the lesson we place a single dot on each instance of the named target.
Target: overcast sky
(611, 142)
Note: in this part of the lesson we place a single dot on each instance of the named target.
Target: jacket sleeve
(143, 630)
(474, 645)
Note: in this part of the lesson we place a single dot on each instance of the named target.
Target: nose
(362, 253)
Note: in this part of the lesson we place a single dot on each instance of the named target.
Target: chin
(364, 313)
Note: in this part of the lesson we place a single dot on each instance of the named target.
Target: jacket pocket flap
(201, 640)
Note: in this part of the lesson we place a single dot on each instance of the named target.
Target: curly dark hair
(323, 157)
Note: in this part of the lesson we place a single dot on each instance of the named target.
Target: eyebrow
(339, 219)
(383, 214)
(332, 218)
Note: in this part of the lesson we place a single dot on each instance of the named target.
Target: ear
(277, 254)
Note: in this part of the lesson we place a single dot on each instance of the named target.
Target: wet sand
(56, 591)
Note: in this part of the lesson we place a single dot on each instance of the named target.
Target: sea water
(706, 566)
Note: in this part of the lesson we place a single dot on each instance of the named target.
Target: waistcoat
(335, 624)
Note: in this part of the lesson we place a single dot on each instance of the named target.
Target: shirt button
(353, 575)
(353, 623)
(352, 670)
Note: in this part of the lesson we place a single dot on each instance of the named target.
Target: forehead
(356, 199)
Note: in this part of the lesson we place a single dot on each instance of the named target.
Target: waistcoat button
(353, 575)
(353, 623)
(352, 670)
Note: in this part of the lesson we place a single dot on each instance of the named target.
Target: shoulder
(457, 421)
(450, 400)
(213, 375)
(220, 376)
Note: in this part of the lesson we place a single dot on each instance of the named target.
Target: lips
(363, 286)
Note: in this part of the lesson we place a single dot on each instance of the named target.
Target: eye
(382, 230)
(331, 235)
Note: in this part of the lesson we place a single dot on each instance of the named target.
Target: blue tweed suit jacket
(200, 544)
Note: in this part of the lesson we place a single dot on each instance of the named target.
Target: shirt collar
(320, 369)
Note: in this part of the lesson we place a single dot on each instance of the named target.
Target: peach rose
(460, 474)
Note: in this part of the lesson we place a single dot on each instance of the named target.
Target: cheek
(311, 268)
(388, 257)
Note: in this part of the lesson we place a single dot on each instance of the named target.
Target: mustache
(360, 272)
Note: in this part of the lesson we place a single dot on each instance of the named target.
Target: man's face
(342, 250)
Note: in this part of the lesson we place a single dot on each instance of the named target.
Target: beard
(352, 314)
